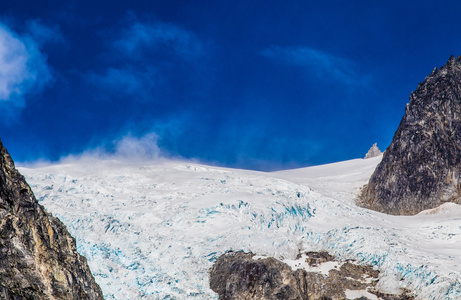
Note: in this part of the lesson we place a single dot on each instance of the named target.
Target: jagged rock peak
(453, 65)
(421, 169)
(373, 152)
(38, 257)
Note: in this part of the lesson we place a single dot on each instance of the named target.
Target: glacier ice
(152, 230)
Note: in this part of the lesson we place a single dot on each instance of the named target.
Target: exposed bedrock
(238, 276)
(38, 257)
(421, 169)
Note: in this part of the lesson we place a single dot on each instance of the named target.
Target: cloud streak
(143, 59)
(126, 81)
(140, 37)
(128, 148)
(23, 68)
(142, 148)
(43, 34)
(320, 63)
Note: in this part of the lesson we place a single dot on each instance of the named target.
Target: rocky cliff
(421, 169)
(38, 257)
(239, 276)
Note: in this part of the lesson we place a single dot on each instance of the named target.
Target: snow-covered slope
(152, 230)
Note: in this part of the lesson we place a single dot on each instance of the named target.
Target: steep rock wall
(38, 257)
(421, 169)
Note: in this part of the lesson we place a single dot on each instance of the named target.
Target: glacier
(152, 229)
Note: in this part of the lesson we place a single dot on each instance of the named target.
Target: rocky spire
(373, 152)
(421, 168)
(38, 257)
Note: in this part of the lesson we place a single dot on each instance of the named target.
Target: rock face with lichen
(421, 169)
(239, 276)
(38, 257)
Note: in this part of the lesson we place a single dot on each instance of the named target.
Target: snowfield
(151, 230)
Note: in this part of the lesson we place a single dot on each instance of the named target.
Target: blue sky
(250, 84)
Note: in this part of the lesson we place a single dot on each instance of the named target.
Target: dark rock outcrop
(38, 257)
(421, 169)
(237, 275)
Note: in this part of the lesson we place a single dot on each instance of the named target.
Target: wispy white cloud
(139, 37)
(126, 80)
(143, 57)
(42, 33)
(127, 147)
(144, 147)
(23, 68)
(317, 62)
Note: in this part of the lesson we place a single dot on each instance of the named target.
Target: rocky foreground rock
(38, 257)
(239, 275)
(421, 169)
